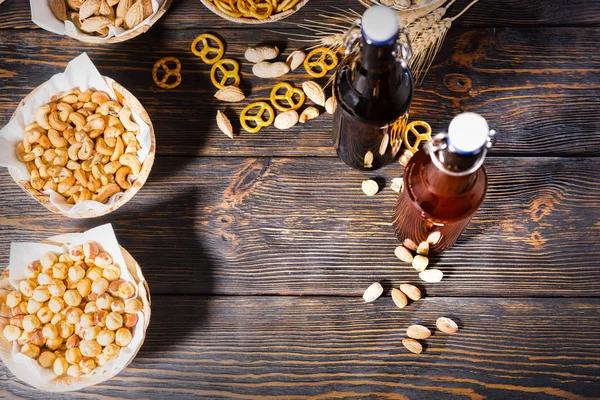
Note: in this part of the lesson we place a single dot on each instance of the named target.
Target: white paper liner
(80, 73)
(27, 369)
(42, 16)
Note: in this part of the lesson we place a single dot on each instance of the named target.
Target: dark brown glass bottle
(444, 185)
(373, 88)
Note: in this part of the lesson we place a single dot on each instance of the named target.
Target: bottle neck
(375, 70)
(452, 174)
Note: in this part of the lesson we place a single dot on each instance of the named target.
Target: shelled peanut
(73, 312)
(82, 145)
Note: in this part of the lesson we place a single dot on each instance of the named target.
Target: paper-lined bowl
(243, 20)
(127, 99)
(67, 383)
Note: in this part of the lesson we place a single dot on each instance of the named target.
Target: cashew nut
(60, 95)
(56, 123)
(114, 121)
(80, 175)
(119, 149)
(103, 148)
(36, 182)
(125, 118)
(56, 138)
(78, 120)
(85, 112)
(106, 191)
(100, 97)
(95, 124)
(31, 137)
(93, 183)
(73, 165)
(86, 165)
(86, 149)
(95, 133)
(97, 158)
(65, 184)
(112, 167)
(41, 116)
(109, 107)
(38, 162)
(121, 177)
(132, 162)
(129, 138)
(85, 96)
(73, 150)
(48, 156)
(80, 136)
(54, 171)
(37, 151)
(50, 185)
(62, 158)
(90, 105)
(70, 99)
(69, 134)
(64, 111)
(131, 149)
(21, 151)
(31, 126)
(97, 171)
(44, 142)
(43, 171)
(110, 135)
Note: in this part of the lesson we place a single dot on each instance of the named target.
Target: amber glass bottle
(373, 88)
(444, 185)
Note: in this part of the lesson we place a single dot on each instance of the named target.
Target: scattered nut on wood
(286, 120)
(412, 345)
(308, 114)
(420, 263)
(418, 332)
(397, 185)
(370, 187)
(256, 54)
(434, 237)
(409, 244)
(314, 92)
(411, 291)
(446, 325)
(403, 254)
(423, 248)
(224, 124)
(373, 292)
(230, 94)
(265, 69)
(399, 298)
(295, 59)
(368, 160)
(405, 157)
(431, 275)
(330, 105)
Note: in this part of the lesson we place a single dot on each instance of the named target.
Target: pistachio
(403, 254)
(423, 248)
(431, 275)
(446, 325)
(434, 237)
(418, 332)
(308, 114)
(412, 292)
(224, 124)
(420, 263)
(399, 298)
(314, 92)
(286, 120)
(370, 187)
(373, 292)
(412, 345)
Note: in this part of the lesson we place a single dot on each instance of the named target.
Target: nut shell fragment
(370, 187)
(308, 114)
(446, 325)
(224, 124)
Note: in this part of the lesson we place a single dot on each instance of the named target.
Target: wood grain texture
(186, 14)
(541, 95)
(283, 348)
(303, 226)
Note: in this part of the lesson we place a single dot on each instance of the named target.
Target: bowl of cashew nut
(82, 150)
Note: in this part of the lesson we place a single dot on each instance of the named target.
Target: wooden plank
(542, 96)
(303, 226)
(282, 347)
(187, 14)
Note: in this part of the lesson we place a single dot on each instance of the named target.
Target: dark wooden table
(257, 250)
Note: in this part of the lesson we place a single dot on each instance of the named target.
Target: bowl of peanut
(73, 311)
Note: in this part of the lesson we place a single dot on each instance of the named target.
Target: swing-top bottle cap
(468, 133)
(380, 25)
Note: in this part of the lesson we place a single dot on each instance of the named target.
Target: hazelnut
(60, 352)
(30, 350)
(87, 365)
(113, 289)
(100, 318)
(17, 321)
(44, 315)
(90, 348)
(91, 307)
(73, 341)
(94, 273)
(41, 294)
(84, 287)
(56, 304)
(126, 290)
(86, 320)
(102, 360)
(60, 271)
(73, 355)
(99, 286)
(49, 331)
(111, 272)
(11, 332)
(27, 286)
(37, 338)
(89, 262)
(103, 259)
(90, 333)
(31, 323)
(105, 337)
(60, 366)
(76, 253)
(72, 298)
(123, 337)
(57, 287)
(130, 320)
(76, 273)
(13, 298)
(44, 278)
(70, 284)
(33, 270)
(46, 359)
(21, 309)
(118, 306)
(103, 301)
(54, 344)
(24, 338)
(65, 330)
(74, 371)
(133, 306)
(91, 249)
(65, 259)
(33, 306)
(112, 351)
(56, 318)
(48, 260)
(73, 315)
(92, 296)
(114, 321)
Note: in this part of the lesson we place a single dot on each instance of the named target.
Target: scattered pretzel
(168, 73)
(412, 127)
(233, 73)
(207, 48)
(288, 97)
(321, 66)
(257, 118)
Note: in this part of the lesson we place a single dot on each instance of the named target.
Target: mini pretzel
(168, 73)
(320, 67)
(227, 73)
(228, 8)
(288, 97)
(207, 48)
(412, 127)
(255, 7)
(257, 118)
